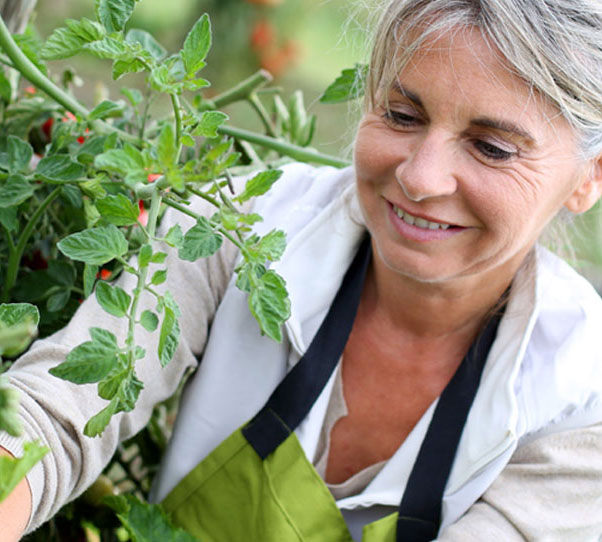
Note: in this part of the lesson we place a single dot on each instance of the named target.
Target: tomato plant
(82, 191)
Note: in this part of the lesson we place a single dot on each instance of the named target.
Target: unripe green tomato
(102, 487)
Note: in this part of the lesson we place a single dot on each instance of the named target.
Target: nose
(427, 171)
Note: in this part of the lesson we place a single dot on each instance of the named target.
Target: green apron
(258, 485)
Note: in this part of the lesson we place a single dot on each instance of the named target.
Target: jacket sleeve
(55, 411)
(550, 490)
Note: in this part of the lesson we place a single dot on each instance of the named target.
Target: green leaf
(147, 42)
(118, 210)
(92, 147)
(111, 48)
(89, 362)
(57, 301)
(208, 124)
(113, 299)
(197, 45)
(72, 196)
(95, 246)
(13, 470)
(166, 151)
(159, 257)
(6, 90)
(89, 278)
(113, 14)
(271, 246)
(149, 320)
(159, 277)
(348, 86)
(121, 161)
(167, 326)
(67, 42)
(121, 67)
(105, 109)
(12, 314)
(269, 304)
(19, 154)
(175, 237)
(59, 168)
(10, 420)
(9, 218)
(200, 241)
(14, 191)
(97, 424)
(259, 184)
(145, 522)
(145, 255)
(133, 95)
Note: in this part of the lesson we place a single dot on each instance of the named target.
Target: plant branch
(288, 149)
(241, 91)
(175, 102)
(255, 102)
(15, 255)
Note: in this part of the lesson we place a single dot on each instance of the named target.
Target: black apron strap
(292, 400)
(420, 508)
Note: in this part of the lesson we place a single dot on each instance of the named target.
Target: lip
(415, 233)
(421, 215)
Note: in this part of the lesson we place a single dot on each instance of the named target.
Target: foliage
(81, 197)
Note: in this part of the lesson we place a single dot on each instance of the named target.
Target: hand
(15, 510)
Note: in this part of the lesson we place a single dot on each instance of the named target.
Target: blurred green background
(305, 44)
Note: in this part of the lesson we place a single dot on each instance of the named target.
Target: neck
(427, 311)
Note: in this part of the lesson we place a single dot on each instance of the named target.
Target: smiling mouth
(419, 222)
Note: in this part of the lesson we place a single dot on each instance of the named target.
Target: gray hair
(553, 45)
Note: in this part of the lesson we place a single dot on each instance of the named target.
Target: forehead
(461, 70)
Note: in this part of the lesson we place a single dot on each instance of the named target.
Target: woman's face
(461, 166)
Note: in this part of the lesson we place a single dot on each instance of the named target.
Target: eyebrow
(485, 122)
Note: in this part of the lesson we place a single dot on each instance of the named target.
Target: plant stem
(288, 149)
(263, 114)
(202, 194)
(242, 90)
(30, 71)
(15, 254)
(175, 102)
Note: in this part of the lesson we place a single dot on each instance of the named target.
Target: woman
(470, 388)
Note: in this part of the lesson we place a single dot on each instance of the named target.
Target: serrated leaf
(14, 191)
(98, 423)
(18, 323)
(200, 241)
(13, 470)
(113, 299)
(118, 210)
(175, 236)
(197, 45)
(259, 184)
(209, 122)
(113, 14)
(348, 86)
(59, 168)
(20, 153)
(149, 320)
(167, 326)
(121, 161)
(93, 189)
(12, 314)
(86, 29)
(145, 255)
(270, 305)
(95, 246)
(145, 522)
(121, 67)
(271, 246)
(87, 363)
(111, 48)
(62, 43)
(147, 42)
(105, 109)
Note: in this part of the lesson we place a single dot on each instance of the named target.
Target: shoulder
(562, 369)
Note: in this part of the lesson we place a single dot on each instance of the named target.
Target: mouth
(418, 221)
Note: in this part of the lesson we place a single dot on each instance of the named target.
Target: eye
(493, 152)
(401, 118)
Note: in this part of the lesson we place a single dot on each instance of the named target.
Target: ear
(589, 189)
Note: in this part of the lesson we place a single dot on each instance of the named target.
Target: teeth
(420, 222)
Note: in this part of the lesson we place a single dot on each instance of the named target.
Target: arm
(550, 490)
(15, 510)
